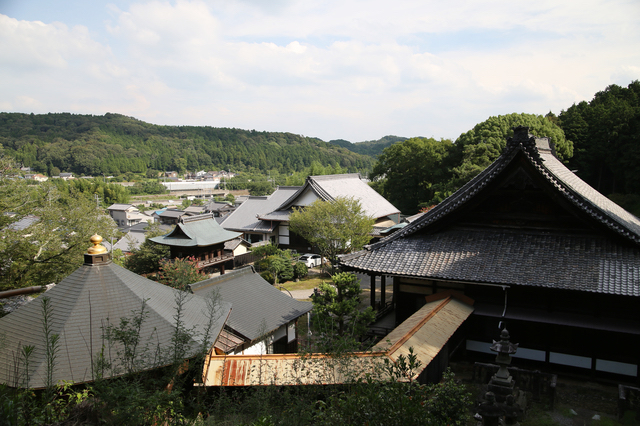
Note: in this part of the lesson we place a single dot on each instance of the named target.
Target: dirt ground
(577, 402)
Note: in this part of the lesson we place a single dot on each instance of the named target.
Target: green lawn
(311, 281)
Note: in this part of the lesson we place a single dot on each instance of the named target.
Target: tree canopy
(338, 320)
(116, 144)
(419, 172)
(606, 134)
(414, 171)
(334, 227)
(44, 232)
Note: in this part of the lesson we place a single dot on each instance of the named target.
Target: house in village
(95, 296)
(127, 215)
(134, 236)
(171, 216)
(266, 218)
(219, 209)
(538, 250)
(202, 238)
(263, 319)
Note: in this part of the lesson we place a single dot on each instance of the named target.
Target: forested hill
(372, 148)
(115, 144)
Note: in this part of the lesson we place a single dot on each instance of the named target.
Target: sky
(348, 69)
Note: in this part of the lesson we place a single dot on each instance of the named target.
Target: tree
(484, 143)
(179, 273)
(43, 231)
(275, 264)
(146, 259)
(335, 227)
(338, 321)
(414, 171)
(606, 132)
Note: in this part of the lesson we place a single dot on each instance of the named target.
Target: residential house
(97, 295)
(540, 252)
(219, 209)
(263, 319)
(134, 237)
(37, 177)
(171, 216)
(202, 238)
(127, 215)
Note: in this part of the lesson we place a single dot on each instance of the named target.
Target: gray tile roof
(245, 217)
(258, 307)
(233, 244)
(92, 296)
(569, 261)
(554, 258)
(196, 231)
(119, 207)
(330, 187)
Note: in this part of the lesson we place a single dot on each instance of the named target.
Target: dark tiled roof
(258, 307)
(572, 262)
(93, 296)
(557, 259)
(245, 217)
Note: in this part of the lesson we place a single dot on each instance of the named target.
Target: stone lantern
(502, 383)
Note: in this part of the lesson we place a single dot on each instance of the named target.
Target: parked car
(311, 260)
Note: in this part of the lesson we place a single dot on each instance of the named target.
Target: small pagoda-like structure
(81, 307)
(202, 238)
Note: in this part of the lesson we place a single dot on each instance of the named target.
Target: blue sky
(348, 69)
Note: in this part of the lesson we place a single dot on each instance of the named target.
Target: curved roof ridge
(541, 154)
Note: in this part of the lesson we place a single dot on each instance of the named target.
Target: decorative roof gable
(330, 187)
(525, 220)
(196, 231)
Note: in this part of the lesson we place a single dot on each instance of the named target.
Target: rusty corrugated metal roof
(426, 331)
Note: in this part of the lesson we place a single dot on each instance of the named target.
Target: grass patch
(306, 283)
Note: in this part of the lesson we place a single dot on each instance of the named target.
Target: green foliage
(484, 143)
(414, 171)
(605, 132)
(55, 232)
(275, 264)
(300, 270)
(150, 187)
(108, 193)
(372, 148)
(420, 172)
(146, 259)
(337, 319)
(114, 144)
(179, 273)
(335, 227)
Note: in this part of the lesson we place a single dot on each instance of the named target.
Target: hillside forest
(598, 139)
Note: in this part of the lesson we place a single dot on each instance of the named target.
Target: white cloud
(351, 69)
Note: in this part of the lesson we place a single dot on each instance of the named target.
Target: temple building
(202, 238)
(538, 250)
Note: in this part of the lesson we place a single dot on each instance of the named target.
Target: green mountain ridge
(371, 148)
(117, 144)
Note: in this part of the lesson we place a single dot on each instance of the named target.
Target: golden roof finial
(97, 248)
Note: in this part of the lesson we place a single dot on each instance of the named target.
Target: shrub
(300, 270)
